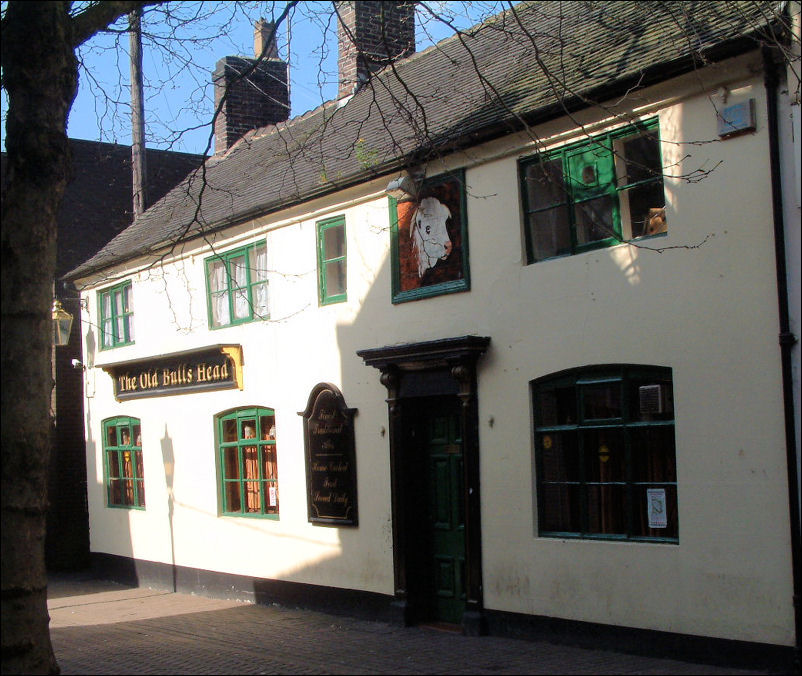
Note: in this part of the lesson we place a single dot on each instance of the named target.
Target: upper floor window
(331, 260)
(116, 316)
(603, 191)
(123, 468)
(248, 462)
(604, 448)
(236, 282)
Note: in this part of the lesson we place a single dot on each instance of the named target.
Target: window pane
(250, 462)
(559, 456)
(112, 436)
(333, 242)
(558, 405)
(269, 462)
(129, 328)
(217, 276)
(108, 337)
(231, 463)
(335, 278)
(549, 233)
(140, 487)
(594, 220)
(260, 301)
(118, 303)
(561, 509)
(242, 306)
(137, 435)
(661, 502)
(606, 510)
(267, 424)
(114, 463)
(601, 401)
(642, 157)
(239, 271)
(233, 499)
(229, 430)
(220, 312)
(604, 455)
(115, 492)
(248, 428)
(138, 466)
(252, 497)
(128, 467)
(646, 209)
(544, 184)
(651, 399)
(128, 492)
(258, 262)
(271, 490)
(653, 455)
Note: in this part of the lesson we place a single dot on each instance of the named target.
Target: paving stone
(102, 628)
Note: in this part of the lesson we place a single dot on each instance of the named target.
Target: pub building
(518, 379)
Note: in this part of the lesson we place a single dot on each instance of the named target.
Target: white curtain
(107, 326)
(259, 280)
(239, 274)
(219, 290)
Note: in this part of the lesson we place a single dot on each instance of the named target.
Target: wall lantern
(62, 324)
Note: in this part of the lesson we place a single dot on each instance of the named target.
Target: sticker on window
(656, 507)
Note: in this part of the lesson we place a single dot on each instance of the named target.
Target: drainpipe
(787, 338)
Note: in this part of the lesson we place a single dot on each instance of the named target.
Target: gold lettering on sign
(126, 383)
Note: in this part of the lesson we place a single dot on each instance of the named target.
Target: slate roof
(526, 65)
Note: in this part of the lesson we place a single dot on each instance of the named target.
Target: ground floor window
(247, 454)
(123, 468)
(604, 453)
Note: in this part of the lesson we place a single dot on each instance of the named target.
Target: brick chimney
(370, 34)
(260, 99)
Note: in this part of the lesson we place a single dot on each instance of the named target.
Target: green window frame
(237, 286)
(598, 193)
(605, 456)
(332, 264)
(116, 312)
(123, 468)
(248, 467)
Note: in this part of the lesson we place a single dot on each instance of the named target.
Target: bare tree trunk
(40, 75)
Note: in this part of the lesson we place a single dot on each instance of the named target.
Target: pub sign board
(209, 368)
(330, 457)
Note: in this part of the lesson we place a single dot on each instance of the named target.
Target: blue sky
(178, 94)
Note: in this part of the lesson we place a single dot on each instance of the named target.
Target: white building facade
(580, 419)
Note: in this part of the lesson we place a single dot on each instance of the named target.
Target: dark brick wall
(370, 35)
(260, 99)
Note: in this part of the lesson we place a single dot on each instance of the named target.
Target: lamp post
(62, 324)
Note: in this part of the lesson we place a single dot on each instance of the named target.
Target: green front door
(445, 523)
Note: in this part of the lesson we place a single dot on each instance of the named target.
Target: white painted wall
(704, 306)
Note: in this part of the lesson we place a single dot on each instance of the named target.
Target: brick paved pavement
(104, 628)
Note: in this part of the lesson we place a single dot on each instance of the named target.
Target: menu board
(330, 458)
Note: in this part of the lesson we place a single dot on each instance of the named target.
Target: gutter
(787, 339)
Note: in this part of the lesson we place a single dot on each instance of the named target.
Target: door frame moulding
(437, 367)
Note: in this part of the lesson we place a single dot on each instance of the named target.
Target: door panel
(446, 523)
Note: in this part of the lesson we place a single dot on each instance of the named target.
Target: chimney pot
(264, 39)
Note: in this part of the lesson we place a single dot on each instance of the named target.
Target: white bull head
(430, 240)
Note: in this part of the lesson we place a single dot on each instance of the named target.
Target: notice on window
(272, 497)
(656, 507)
